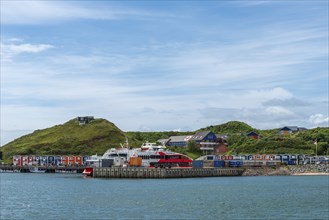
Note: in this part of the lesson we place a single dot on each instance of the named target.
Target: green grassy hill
(99, 135)
(231, 127)
(69, 138)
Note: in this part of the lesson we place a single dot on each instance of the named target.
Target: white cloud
(15, 40)
(8, 51)
(39, 12)
(267, 57)
(319, 119)
(45, 12)
(276, 110)
(247, 98)
(287, 102)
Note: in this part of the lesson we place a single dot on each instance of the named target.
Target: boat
(88, 171)
(36, 170)
(94, 161)
(152, 146)
(151, 154)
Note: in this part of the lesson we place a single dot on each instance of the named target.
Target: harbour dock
(145, 173)
(47, 169)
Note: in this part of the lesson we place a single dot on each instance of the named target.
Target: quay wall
(48, 169)
(138, 172)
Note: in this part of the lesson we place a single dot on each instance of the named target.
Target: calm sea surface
(70, 196)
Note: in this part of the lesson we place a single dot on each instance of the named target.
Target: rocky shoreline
(310, 169)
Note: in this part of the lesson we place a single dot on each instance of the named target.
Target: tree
(323, 148)
(192, 147)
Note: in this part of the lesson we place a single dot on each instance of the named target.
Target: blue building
(179, 141)
(202, 138)
(205, 139)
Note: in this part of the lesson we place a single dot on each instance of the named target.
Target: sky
(165, 65)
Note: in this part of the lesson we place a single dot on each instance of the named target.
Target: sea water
(70, 196)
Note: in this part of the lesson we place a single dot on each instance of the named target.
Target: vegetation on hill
(69, 138)
(270, 142)
(136, 139)
(231, 127)
(99, 135)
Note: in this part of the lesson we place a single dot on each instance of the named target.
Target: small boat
(36, 170)
(88, 171)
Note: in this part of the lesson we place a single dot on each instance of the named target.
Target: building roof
(163, 141)
(183, 138)
(200, 135)
(292, 128)
(252, 133)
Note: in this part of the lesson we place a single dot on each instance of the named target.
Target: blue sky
(166, 65)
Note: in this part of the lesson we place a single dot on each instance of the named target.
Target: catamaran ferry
(148, 155)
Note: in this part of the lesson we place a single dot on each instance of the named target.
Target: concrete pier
(139, 172)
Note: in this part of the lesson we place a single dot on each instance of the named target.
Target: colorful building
(290, 129)
(29, 160)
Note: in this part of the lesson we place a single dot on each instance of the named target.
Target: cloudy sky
(161, 66)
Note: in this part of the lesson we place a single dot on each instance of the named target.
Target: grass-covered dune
(68, 138)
